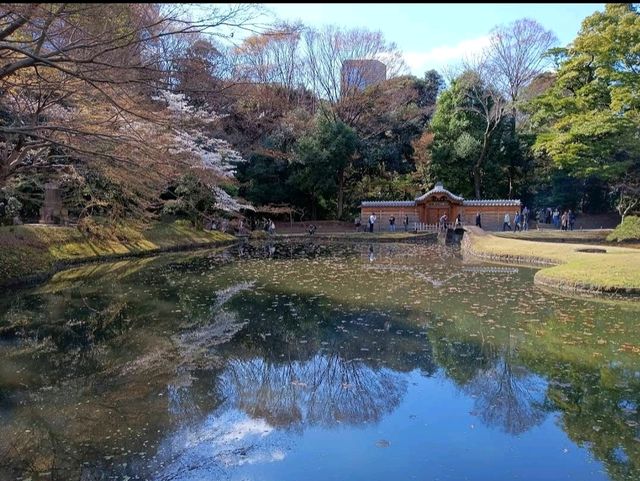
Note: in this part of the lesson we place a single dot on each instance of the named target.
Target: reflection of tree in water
(324, 390)
(301, 360)
(508, 396)
(601, 410)
(319, 364)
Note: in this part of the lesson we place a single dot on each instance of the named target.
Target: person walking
(572, 219)
(443, 222)
(392, 224)
(506, 224)
(372, 221)
(516, 222)
(478, 220)
(406, 223)
(525, 218)
(564, 221)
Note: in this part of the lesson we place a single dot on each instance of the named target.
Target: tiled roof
(439, 189)
(492, 202)
(388, 203)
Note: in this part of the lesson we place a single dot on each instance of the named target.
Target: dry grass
(616, 270)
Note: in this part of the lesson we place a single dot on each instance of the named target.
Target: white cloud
(444, 55)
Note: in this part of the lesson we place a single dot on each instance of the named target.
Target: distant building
(359, 74)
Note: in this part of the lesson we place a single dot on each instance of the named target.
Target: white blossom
(177, 104)
(227, 203)
(188, 136)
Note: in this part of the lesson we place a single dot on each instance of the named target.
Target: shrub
(258, 234)
(9, 208)
(194, 200)
(629, 230)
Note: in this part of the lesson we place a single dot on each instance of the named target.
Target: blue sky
(436, 35)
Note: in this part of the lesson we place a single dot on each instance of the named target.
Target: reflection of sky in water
(396, 362)
(434, 433)
(224, 440)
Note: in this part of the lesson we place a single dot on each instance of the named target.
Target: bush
(629, 230)
(93, 229)
(258, 234)
(194, 200)
(9, 208)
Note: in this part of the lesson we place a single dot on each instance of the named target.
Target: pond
(315, 361)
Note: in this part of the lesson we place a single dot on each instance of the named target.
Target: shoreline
(57, 248)
(31, 254)
(565, 267)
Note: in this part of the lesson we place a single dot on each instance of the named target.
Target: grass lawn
(616, 270)
(557, 235)
(28, 250)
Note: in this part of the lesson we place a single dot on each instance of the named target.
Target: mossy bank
(567, 267)
(29, 253)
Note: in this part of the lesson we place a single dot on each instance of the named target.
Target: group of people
(443, 222)
(269, 226)
(392, 223)
(564, 221)
(520, 220)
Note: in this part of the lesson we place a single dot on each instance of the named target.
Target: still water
(312, 361)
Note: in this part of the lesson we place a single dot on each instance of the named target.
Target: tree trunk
(4, 174)
(624, 210)
(514, 112)
(477, 178)
(340, 193)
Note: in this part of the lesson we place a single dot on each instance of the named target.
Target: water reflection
(509, 397)
(200, 365)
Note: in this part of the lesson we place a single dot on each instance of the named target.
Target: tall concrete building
(359, 74)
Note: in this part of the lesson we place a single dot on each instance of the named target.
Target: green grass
(553, 235)
(629, 230)
(619, 271)
(616, 270)
(29, 250)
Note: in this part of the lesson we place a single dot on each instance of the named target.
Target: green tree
(588, 120)
(467, 127)
(449, 123)
(324, 157)
(433, 84)
(263, 179)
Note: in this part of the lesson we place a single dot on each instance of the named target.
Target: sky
(437, 35)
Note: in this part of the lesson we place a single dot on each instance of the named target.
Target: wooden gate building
(429, 207)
